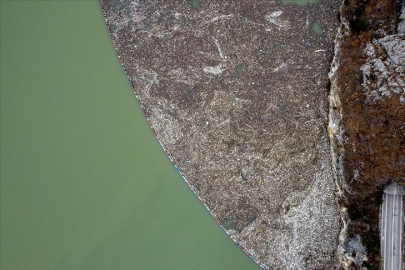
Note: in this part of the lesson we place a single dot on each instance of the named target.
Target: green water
(317, 29)
(299, 2)
(195, 4)
(84, 183)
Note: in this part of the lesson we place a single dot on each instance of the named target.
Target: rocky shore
(367, 121)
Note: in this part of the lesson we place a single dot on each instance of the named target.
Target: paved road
(392, 227)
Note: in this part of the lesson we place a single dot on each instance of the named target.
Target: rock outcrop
(367, 122)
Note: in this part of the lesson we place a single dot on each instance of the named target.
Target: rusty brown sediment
(366, 129)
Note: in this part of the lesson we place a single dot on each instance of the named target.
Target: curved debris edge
(336, 131)
(248, 252)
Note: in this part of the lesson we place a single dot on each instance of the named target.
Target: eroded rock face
(384, 70)
(237, 92)
(367, 122)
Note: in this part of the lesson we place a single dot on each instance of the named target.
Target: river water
(84, 182)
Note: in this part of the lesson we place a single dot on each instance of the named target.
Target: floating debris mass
(236, 93)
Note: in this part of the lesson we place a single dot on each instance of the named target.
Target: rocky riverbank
(367, 121)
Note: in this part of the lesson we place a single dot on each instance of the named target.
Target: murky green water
(84, 183)
(299, 2)
(317, 29)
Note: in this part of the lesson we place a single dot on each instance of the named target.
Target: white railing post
(392, 227)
